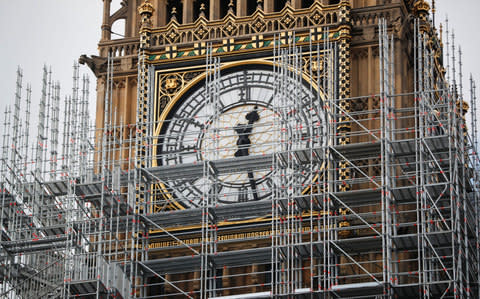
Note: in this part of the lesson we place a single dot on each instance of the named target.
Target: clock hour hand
(244, 143)
(244, 131)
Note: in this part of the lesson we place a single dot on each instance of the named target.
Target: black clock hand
(244, 143)
(253, 185)
(244, 132)
(252, 117)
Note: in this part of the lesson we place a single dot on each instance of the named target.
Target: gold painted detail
(231, 45)
(314, 66)
(146, 11)
(141, 196)
(421, 7)
(169, 85)
(344, 223)
(344, 125)
(257, 23)
(244, 236)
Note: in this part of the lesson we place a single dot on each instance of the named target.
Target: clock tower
(283, 148)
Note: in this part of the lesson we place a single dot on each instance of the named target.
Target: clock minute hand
(253, 185)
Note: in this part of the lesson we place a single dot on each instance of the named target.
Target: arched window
(118, 29)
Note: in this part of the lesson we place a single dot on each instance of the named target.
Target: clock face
(248, 122)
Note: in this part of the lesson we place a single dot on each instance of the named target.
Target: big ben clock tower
(269, 148)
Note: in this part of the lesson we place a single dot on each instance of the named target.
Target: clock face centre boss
(245, 123)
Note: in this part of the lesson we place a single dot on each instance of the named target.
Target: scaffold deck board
(35, 244)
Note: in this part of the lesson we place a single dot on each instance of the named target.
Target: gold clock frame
(178, 97)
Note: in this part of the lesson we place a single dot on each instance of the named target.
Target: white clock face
(220, 139)
(249, 120)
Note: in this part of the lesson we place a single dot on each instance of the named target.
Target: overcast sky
(57, 32)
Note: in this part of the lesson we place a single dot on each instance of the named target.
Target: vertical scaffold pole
(15, 183)
(274, 211)
(418, 171)
(464, 246)
(204, 190)
(447, 51)
(48, 112)
(26, 140)
(16, 123)
(386, 87)
(476, 163)
(383, 78)
(5, 190)
(41, 139)
(7, 198)
(455, 105)
(474, 117)
(54, 131)
(105, 148)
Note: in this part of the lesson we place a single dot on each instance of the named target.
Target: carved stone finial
(202, 10)
(146, 11)
(174, 14)
(259, 4)
(421, 8)
(230, 6)
(146, 8)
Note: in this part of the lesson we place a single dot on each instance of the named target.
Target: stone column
(168, 287)
(187, 11)
(146, 11)
(254, 279)
(296, 3)
(344, 125)
(131, 28)
(269, 6)
(106, 28)
(160, 16)
(215, 9)
(241, 8)
(196, 281)
(99, 120)
(226, 281)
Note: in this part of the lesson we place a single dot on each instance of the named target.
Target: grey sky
(51, 32)
(57, 32)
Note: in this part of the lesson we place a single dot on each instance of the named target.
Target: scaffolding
(255, 209)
